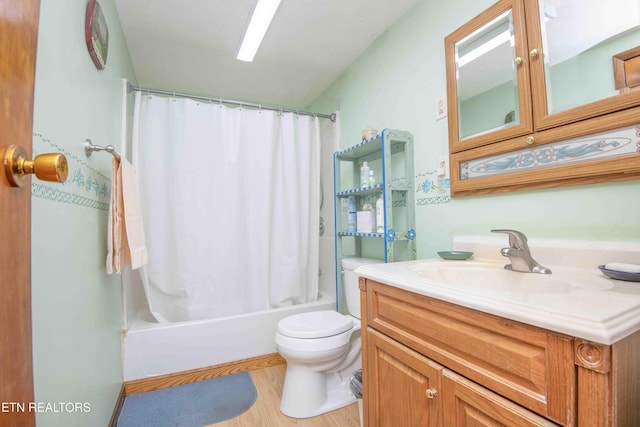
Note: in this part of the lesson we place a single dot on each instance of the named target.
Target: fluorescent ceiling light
(260, 20)
(491, 44)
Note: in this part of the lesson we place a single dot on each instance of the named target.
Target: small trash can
(356, 389)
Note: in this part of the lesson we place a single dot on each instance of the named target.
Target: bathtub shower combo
(231, 201)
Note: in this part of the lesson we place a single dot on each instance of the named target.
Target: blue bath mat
(190, 405)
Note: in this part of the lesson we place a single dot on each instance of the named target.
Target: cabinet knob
(534, 53)
(518, 60)
(530, 140)
(431, 393)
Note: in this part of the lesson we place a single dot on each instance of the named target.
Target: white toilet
(322, 350)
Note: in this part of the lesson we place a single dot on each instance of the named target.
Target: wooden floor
(265, 412)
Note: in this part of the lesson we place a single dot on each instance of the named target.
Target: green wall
(395, 84)
(76, 306)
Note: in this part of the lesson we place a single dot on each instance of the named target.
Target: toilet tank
(350, 282)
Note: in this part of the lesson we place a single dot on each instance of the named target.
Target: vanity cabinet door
(468, 404)
(403, 386)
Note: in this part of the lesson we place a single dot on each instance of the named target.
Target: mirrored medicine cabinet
(538, 96)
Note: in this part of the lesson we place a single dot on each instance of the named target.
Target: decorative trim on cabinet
(622, 141)
(362, 284)
(595, 357)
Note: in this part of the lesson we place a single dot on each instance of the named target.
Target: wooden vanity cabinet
(427, 362)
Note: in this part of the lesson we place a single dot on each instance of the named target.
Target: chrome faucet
(519, 254)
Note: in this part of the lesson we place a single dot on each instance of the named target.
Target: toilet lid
(315, 324)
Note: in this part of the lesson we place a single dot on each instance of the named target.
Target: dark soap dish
(620, 275)
(455, 255)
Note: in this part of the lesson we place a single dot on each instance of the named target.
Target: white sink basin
(486, 276)
(576, 299)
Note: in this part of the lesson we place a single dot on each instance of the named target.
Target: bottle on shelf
(351, 214)
(368, 133)
(372, 178)
(380, 214)
(364, 175)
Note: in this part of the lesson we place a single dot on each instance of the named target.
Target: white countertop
(604, 313)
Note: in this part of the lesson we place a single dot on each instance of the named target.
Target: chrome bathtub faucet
(519, 254)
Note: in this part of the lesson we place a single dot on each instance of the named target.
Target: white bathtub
(151, 348)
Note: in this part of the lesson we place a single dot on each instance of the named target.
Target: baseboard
(118, 407)
(194, 375)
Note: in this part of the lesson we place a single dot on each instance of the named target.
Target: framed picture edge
(96, 34)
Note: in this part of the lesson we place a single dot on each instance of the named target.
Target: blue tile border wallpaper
(85, 186)
(431, 189)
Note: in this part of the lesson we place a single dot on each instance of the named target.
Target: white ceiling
(190, 45)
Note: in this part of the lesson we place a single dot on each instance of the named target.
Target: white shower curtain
(230, 198)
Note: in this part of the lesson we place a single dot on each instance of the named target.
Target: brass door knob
(431, 393)
(518, 60)
(47, 167)
(534, 53)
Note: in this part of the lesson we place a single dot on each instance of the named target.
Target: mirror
(487, 94)
(579, 39)
(488, 82)
(526, 78)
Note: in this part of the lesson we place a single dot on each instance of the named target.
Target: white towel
(125, 234)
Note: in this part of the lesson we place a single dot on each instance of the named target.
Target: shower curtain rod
(131, 88)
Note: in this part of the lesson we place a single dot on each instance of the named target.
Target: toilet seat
(315, 324)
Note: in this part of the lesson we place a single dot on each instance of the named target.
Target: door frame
(19, 27)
